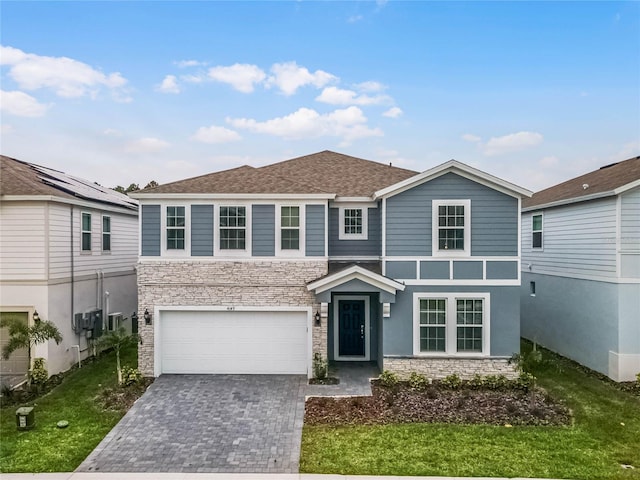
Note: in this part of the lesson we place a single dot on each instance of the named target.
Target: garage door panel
(233, 342)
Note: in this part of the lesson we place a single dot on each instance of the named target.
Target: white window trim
(217, 251)
(187, 231)
(336, 327)
(365, 222)
(541, 247)
(300, 252)
(103, 233)
(83, 231)
(435, 251)
(451, 324)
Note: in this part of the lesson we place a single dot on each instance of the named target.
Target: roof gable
(459, 168)
(355, 272)
(606, 181)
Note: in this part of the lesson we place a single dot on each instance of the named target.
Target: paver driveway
(208, 423)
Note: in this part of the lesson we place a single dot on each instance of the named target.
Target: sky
(128, 92)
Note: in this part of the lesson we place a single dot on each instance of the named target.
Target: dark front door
(351, 328)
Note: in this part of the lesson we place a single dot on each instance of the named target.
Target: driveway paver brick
(208, 424)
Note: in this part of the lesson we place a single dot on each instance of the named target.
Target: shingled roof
(603, 181)
(18, 178)
(320, 173)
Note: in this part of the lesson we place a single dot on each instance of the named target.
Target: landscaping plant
(117, 340)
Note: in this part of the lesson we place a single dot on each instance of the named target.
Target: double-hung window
(106, 233)
(353, 223)
(451, 324)
(86, 231)
(451, 227)
(176, 225)
(536, 231)
(289, 228)
(233, 227)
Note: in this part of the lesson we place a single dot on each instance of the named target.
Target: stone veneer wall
(434, 368)
(225, 283)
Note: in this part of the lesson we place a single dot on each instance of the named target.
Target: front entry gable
(355, 279)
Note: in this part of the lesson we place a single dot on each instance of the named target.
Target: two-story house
(254, 270)
(581, 269)
(68, 252)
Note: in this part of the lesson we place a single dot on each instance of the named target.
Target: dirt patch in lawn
(438, 404)
(122, 398)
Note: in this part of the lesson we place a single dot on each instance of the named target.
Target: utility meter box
(25, 419)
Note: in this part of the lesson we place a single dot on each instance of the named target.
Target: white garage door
(233, 342)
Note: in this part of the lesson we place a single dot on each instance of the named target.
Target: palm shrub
(117, 340)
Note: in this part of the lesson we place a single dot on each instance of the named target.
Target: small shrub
(417, 381)
(320, 367)
(39, 373)
(638, 378)
(130, 376)
(388, 379)
(525, 381)
(452, 381)
(477, 382)
(495, 382)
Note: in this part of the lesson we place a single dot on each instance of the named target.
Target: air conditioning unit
(114, 321)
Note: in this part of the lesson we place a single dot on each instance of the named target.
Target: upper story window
(106, 233)
(451, 324)
(233, 228)
(289, 228)
(353, 223)
(176, 224)
(86, 231)
(536, 231)
(451, 227)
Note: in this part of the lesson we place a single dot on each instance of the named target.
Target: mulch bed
(122, 398)
(438, 404)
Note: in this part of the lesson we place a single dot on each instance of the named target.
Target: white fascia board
(569, 201)
(356, 273)
(460, 169)
(69, 201)
(233, 196)
(363, 200)
(628, 186)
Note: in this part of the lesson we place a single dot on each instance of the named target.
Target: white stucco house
(580, 291)
(68, 250)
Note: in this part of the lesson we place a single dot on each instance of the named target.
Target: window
(86, 232)
(290, 228)
(233, 224)
(353, 223)
(176, 222)
(106, 233)
(451, 227)
(536, 236)
(451, 324)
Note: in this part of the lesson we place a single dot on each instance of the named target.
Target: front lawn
(604, 437)
(47, 448)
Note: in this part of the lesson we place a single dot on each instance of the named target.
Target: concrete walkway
(354, 380)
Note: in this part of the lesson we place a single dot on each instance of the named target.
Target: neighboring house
(255, 270)
(68, 251)
(581, 269)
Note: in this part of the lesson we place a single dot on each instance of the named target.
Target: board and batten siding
(151, 233)
(344, 248)
(201, 230)
(23, 241)
(263, 230)
(494, 217)
(124, 242)
(314, 231)
(578, 239)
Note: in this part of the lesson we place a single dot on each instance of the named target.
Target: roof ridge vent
(610, 165)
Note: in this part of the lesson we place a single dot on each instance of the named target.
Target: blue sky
(122, 92)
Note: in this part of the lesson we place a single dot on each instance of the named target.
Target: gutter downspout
(73, 280)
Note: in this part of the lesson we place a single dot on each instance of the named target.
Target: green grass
(594, 447)
(47, 448)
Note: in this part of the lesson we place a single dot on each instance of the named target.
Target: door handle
(362, 331)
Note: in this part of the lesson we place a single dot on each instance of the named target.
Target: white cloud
(348, 124)
(354, 18)
(169, 85)
(288, 77)
(21, 104)
(240, 76)
(215, 134)
(370, 87)
(188, 63)
(198, 78)
(549, 161)
(5, 128)
(340, 96)
(393, 112)
(469, 137)
(146, 145)
(66, 77)
(511, 143)
(111, 132)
